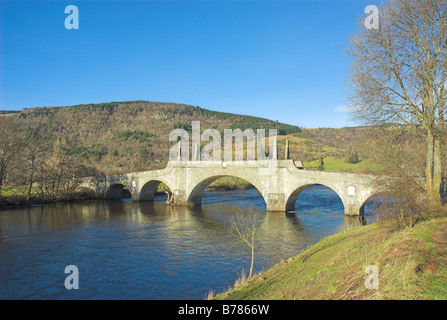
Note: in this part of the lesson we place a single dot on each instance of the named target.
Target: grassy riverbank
(18, 196)
(412, 264)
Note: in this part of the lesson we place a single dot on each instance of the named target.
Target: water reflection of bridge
(61, 215)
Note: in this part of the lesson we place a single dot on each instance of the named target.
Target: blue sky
(282, 60)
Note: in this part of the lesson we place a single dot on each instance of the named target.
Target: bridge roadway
(279, 182)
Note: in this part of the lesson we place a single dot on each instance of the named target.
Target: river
(131, 250)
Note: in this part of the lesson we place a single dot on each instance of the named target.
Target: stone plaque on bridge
(351, 190)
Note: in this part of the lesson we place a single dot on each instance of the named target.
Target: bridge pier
(136, 197)
(180, 198)
(354, 209)
(276, 202)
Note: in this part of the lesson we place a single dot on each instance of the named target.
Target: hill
(128, 136)
(120, 137)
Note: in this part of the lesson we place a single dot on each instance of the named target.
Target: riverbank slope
(412, 264)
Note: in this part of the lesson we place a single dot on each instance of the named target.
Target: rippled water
(129, 250)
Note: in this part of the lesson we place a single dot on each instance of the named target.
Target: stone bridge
(278, 181)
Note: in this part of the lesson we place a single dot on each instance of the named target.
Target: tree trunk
(252, 256)
(429, 167)
(2, 173)
(31, 178)
(169, 200)
(433, 168)
(437, 171)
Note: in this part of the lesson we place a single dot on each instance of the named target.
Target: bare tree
(399, 174)
(244, 226)
(9, 147)
(32, 157)
(398, 75)
(58, 174)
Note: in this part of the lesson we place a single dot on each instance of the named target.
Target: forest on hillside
(126, 136)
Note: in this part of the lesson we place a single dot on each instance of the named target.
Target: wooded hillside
(127, 136)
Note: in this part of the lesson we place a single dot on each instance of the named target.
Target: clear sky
(282, 60)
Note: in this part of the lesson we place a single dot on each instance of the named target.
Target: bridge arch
(372, 198)
(148, 190)
(198, 186)
(291, 200)
(117, 191)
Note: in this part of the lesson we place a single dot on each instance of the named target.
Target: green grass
(224, 183)
(410, 267)
(15, 191)
(333, 165)
(11, 196)
(231, 183)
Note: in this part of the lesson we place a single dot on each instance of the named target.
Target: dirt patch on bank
(439, 237)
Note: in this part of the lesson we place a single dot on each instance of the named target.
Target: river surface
(130, 250)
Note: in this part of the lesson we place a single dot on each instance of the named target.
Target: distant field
(333, 165)
(310, 151)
